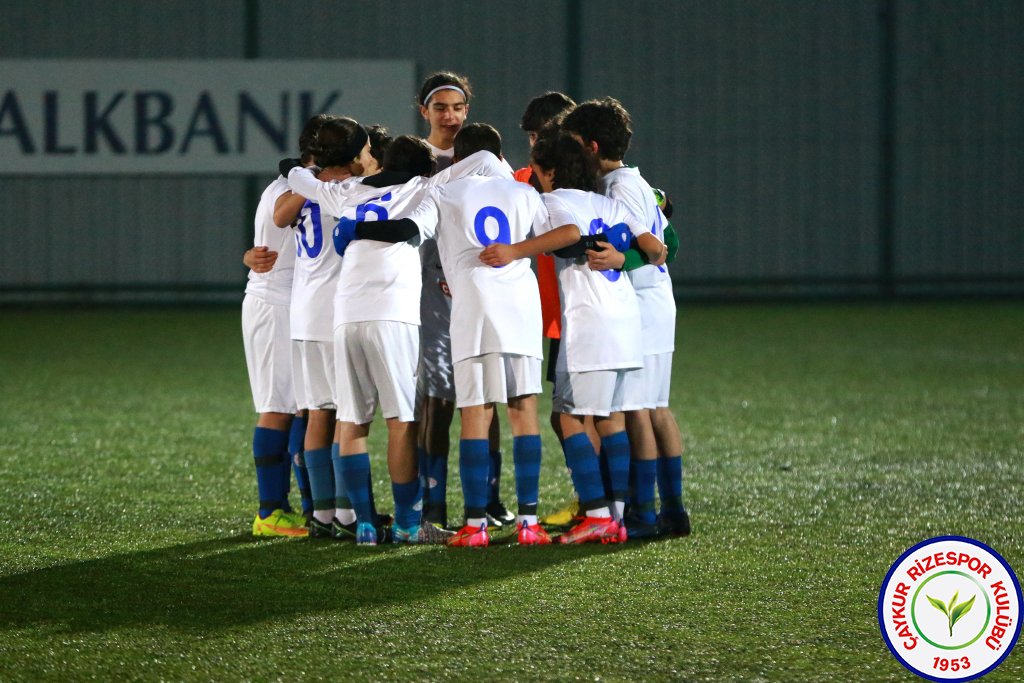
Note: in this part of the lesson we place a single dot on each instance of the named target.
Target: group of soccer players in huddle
(396, 274)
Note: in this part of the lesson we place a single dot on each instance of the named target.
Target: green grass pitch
(823, 440)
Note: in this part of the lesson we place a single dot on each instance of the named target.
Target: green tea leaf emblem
(954, 612)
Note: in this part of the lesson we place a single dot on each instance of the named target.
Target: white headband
(443, 87)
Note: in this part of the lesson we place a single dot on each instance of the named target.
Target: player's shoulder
(277, 187)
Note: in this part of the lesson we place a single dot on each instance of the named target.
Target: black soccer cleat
(675, 523)
(498, 515)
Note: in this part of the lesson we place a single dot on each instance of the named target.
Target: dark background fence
(825, 148)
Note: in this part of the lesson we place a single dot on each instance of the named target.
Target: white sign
(185, 117)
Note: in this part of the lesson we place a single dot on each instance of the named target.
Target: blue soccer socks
(646, 473)
(526, 452)
(269, 450)
(670, 483)
(296, 437)
(321, 483)
(436, 490)
(494, 477)
(355, 469)
(616, 446)
(408, 499)
(585, 471)
(474, 468)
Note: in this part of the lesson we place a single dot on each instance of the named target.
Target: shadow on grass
(235, 581)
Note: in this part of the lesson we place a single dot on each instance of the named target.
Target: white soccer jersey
(652, 283)
(380, 280)
(377, 280)
(316, 275)
(600, 313)
(273, 287)
(494, 310)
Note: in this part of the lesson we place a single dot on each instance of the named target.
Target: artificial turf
(823, 440)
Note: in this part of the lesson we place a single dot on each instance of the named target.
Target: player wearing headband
(269, 355)
(376, 333)
(604, 128)
(443, 102)
(601, 343)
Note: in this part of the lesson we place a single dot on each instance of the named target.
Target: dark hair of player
(605, 122)
(474, 137)
(543, 109)
(338, 142)
(380, 140)
(574, 169)
(308, 134)
(409, 154)
(436, 80)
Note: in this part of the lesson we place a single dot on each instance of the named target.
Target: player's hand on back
(498, 254)
(604, 256)
(260, 259)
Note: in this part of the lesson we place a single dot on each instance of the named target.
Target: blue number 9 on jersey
(504, 235)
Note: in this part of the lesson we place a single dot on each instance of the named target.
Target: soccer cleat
(565, 516)
(366, 534)
(470, 537)
(593, 530)
(498, 515)
(639, 529)
(279, 523)
(318, 529)
(421, 534)
(436, 513)
(674, 523)
(343, 532)
(533, 534)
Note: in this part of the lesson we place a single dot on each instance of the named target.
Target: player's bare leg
(474, 468)
(526, 455)
(641, 518)
(434, 441)
(318, 446)
(497, 514)
(674, 516)
(273, 474)
(585, 470)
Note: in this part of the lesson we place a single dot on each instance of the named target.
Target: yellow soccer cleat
(280, 523)
(564, 517)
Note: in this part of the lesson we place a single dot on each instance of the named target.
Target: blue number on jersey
(369, 207)
(301, 244)
(654, 230)
(598, 225)
(341, 242)
(498, 216)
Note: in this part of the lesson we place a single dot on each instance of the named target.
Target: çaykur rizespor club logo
(949, 609)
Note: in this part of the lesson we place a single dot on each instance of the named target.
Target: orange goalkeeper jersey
(550, 307)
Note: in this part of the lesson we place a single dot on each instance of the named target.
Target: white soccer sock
(529, 519)
(345, 515)
(323, 516)
(620, 508)
(476, 521)
(599, 512)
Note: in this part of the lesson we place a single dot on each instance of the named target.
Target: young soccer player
(316, 272)
(495, 329)
(601, 343)
(443, 102)
(268, 354)
(376, 335)
(604, 128)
